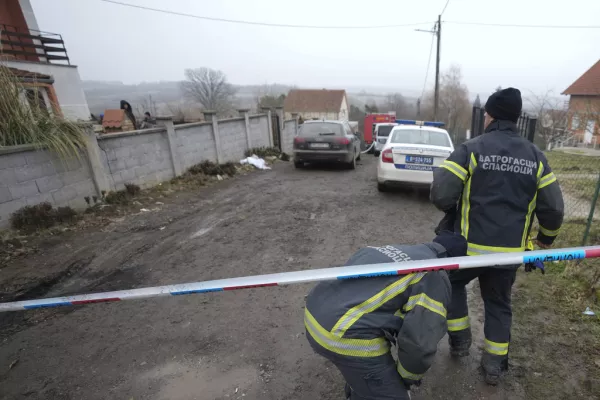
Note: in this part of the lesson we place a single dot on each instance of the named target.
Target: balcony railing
(31, 45)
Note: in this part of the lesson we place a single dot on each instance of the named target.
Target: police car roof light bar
(419, 123)
(312, 275)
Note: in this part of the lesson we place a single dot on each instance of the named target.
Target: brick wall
(29, 176)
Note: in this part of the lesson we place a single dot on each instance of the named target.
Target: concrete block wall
(259, 124)
(233, 145)
(142, 158)
(30, 176)
(287, 136)
(195, 143)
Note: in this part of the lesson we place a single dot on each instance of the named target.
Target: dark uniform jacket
(495, 184)
(351, 320)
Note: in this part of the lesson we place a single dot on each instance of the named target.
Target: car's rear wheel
(358, 158)
(376, 153)
(381, 187)
(352, 164)
(298, 164)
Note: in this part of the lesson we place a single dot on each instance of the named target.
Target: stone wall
(30, 176)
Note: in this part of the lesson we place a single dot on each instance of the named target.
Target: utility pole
(438, 33)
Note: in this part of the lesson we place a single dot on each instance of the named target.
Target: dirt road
(247, 344)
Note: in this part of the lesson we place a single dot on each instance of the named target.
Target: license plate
(319, 145)
(419, 160)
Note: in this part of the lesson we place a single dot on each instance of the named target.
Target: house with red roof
(316, 104)
(584, 106)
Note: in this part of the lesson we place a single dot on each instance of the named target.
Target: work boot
(492, 367)
(347, 391)
(459, 348)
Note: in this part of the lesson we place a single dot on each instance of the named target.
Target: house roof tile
(113, 118)
(319, 100)
(588, 84)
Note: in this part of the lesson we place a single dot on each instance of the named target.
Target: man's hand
(542, 245)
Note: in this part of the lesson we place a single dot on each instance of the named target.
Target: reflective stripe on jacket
(498, 182)
(352, 319)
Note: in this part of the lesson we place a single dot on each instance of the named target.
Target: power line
(447, 1)
(234, 21)
(526, 26)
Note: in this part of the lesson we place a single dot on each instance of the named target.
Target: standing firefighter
(352, 322)
(490, 188)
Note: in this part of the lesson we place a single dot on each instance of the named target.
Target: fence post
(244, 113)
(295, 117)
(531, 129)
(167, 123)
(270, 118)
(93, 156)
(211, 116)
(592, 210)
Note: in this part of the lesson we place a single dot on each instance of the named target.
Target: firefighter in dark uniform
(491, 188)
(352, 322)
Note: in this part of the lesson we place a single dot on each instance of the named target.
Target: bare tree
(552, 117)
(146, 103)
(454, 106)
(208, 87)
(395, 102)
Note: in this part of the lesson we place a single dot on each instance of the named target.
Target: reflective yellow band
(347, 347)
(399, 313)
(548, 232)
(408, 375)
(546, 180)
(477, 249)
(499, 349)
(426, 302)
(458, 324)
(531, 208)
(456, 169)
(376, 301)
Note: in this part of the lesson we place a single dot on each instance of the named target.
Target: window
(575, 121)
(37, 98)
(384, 130)
(321, 129)
(420, 136)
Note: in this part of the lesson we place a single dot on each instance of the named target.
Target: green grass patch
(561, 161)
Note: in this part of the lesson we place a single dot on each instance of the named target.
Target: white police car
(411, 153)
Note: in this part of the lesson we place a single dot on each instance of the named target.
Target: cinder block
(142, 171)
(111, 155)
(132, 162)
(48, 183)
(6, 209)
(127, 176)
(70, 164)
(12, 160)
(8, 176)
(39, 198)
(70, 177)
(38, 157)
(25, 189)
(63, 195)
(122, 153)
(5, 194)
(31, 172)
(85, 188)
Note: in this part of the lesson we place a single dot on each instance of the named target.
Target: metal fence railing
(578, 174)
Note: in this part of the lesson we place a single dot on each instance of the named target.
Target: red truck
(371, 120)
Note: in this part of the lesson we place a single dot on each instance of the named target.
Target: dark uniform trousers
(496, 286)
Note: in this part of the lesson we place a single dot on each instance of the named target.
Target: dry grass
(23, 123)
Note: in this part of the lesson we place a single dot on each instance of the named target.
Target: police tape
(314, 275)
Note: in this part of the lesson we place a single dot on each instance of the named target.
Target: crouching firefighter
(354, 322)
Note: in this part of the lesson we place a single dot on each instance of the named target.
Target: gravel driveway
(246, 344)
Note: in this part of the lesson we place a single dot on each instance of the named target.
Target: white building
(320, 104)
(25, 48)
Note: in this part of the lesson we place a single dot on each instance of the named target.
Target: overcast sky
(112, 42)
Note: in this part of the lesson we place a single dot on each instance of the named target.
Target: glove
(536, 264)
(447, 222)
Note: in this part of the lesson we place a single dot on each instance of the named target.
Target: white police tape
(288, 278)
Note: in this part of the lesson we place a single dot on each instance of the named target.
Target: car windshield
(420, 136)
(384, 130)
(320, 129)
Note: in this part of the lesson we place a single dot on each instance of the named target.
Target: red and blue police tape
(288, 278)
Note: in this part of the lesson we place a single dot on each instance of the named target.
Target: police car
(411, 152)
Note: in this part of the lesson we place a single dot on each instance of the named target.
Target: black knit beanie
(454, 243)
(505, 104)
